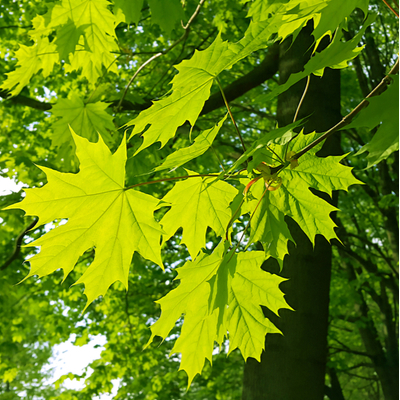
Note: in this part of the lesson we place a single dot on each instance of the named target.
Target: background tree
(359, 364)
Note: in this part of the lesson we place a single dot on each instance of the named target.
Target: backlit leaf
(100, 213)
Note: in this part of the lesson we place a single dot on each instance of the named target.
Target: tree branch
(18, 242)
(261, 73)
(349, 117)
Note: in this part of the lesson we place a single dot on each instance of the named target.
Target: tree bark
(292, 366)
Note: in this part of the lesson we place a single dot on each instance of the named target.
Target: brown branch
(349, 117)
(17, 248)
(391, 8)
(26, 101)
(264, 71)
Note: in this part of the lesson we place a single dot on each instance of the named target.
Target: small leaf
(201, 144)
(384, 110)
(162, 8)
(128, 11)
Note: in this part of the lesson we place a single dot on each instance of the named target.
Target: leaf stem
(176, 178)
(380, 88)
(230, 113)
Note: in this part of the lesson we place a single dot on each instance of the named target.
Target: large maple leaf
(220, 294)
(101, 213)
(295, 199)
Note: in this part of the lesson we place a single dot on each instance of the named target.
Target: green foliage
(221, 222)
(382, 112)
(100, 213)
(87, 120)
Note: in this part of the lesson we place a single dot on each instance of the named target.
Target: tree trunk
(292, 366)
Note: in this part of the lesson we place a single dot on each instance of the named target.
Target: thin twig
(194, 15)
(230, 113)
(391, 8)
(135, 75)
(349, 117)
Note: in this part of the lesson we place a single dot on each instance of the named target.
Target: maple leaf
(197, 203)
(191, 86)
(382, 110)
(86, 120)
(128, 10)
(294, 198)
(335, 56)
(190, 89)
(67, 39)
(220, 293)
(201, 144)
(96, 21)
(31, 59)
(101, 213)
(161, 8)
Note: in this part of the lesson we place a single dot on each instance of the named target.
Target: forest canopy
(201, 179)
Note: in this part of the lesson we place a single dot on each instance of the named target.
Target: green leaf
(334, 14)
(335, 56)
(196, 204)
(191, 87)
(87, 120)
(32, 59)
(295, 199)
(190, 90)
(268, 225)
(251, 287)
(224, 290)
(162, 8)
(67, 39)
(98, 24)
(128, 11)
(100, 213)
(382, 110)
(201, 144)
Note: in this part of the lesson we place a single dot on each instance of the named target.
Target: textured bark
(334, 392)
(293, 365)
